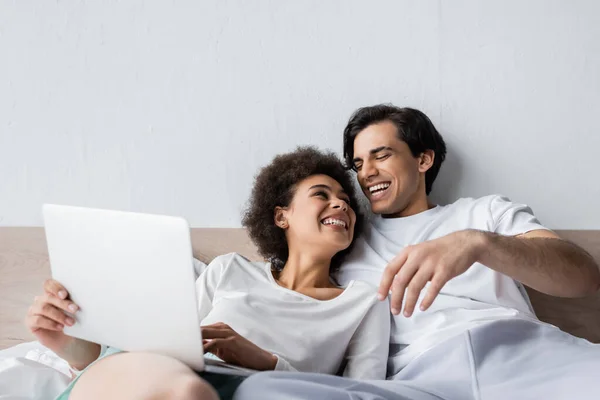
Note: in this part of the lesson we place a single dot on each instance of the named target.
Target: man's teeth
(332, 221)
(381, 186)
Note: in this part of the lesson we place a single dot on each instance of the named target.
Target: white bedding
(30, 371)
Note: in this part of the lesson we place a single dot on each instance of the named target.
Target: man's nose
(368, 170)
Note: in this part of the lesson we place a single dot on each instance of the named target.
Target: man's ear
(426, 160)
(281, 217)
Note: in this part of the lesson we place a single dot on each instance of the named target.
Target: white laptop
(133, 277)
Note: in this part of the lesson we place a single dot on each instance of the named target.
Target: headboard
(24, 266)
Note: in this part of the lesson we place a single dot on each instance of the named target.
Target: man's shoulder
(481, 207)
(484, 201)
(496, 213)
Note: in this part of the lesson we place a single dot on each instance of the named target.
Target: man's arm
(538, 259)
(543, 261)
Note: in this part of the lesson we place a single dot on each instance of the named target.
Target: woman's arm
(367, 353)
(46, 319)
(221, 340)
(208, 282)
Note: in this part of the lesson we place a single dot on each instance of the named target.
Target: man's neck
(415, 207)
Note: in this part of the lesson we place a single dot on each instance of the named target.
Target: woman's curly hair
(275, 185)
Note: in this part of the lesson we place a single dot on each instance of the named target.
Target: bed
(33, 372)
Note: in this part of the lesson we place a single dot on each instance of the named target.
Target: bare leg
(141, 376)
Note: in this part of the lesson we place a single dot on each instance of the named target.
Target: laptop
(133, 277)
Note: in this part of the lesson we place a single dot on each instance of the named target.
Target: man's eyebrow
(380, 148)
(374, 151)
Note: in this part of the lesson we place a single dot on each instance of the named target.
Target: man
(473, 334)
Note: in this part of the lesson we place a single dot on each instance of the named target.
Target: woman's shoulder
(237, 263)
(230, 258)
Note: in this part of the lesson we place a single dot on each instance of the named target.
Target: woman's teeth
(332, 221)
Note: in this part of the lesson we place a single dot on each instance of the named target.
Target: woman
(286, 314)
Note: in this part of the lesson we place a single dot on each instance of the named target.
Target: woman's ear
(426, 160)
(280, 217)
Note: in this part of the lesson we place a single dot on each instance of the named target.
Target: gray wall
(170, 107)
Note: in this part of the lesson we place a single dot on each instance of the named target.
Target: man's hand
(436, 260)
(222, 341)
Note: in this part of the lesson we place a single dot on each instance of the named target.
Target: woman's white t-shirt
(306, 334)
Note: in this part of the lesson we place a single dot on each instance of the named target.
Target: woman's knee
(141, 376)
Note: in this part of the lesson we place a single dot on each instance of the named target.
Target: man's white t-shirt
(478, 296)
(308, 335)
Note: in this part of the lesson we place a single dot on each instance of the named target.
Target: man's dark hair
(413, 126)
(275, 186)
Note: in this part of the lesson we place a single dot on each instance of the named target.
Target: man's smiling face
(387, 171)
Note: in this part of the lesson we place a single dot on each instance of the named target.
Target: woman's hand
(222, 341)
(46, 319)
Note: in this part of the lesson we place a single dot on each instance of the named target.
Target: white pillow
(199, 266)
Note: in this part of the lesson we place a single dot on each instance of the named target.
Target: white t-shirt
(475, 297)
(306, 334)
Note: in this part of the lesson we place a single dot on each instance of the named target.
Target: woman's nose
(341, 204)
